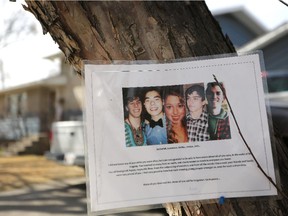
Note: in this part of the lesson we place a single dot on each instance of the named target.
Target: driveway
(67, 198)
(62, 199)
(34, 186)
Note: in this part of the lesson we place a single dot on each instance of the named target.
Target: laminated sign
(164, 132)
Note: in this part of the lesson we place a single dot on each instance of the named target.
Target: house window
(17, 104)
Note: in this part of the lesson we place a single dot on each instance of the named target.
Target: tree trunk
(144, 30)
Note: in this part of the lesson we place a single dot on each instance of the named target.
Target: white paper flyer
(159, 133)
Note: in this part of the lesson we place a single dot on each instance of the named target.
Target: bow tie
(154, 123)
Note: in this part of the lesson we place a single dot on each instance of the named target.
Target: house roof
(266, 39)
(244, 17)
(59, 80)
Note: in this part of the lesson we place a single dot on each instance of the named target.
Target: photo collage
(175, 114)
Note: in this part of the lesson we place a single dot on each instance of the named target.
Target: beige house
(31, 108)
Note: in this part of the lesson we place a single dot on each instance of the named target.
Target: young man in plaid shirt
(197, 117)
(219, 127)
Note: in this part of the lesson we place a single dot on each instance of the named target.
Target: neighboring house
(31, 108)
(239, 25)
(247, 35)
(274, 45)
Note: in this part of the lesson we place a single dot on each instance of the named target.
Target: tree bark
(144, 30)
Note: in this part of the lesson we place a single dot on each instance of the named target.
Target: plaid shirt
(198, 128)
(222, 127)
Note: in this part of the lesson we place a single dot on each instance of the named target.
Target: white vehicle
(67, 143)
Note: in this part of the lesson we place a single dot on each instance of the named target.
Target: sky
(21, 67)
(18, 65)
